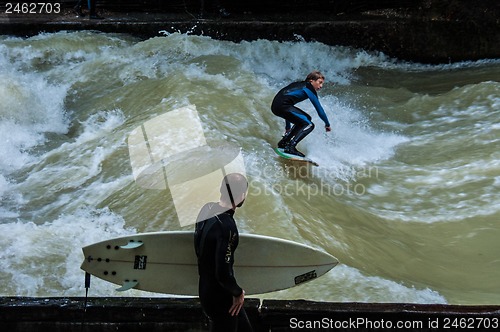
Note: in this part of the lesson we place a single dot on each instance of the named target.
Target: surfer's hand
(328, 128)
(237, 304)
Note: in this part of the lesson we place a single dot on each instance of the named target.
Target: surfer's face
(318, 84)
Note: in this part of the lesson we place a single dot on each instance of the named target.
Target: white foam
(31, 107)
(33, 253)
(351, 144)
(348, 284)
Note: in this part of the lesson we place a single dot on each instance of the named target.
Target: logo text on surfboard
(305, 277)
(140, 262)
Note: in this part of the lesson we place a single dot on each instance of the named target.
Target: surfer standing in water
(215, 240)
(284, 106)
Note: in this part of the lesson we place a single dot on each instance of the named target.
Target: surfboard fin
(127, 284)
(132, 245)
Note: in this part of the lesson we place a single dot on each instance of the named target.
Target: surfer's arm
(317, 105)
(224, 265)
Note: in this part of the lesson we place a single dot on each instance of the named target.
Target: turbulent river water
(407, 194)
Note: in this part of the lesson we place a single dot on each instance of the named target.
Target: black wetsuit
(216, 238)
(283, 105)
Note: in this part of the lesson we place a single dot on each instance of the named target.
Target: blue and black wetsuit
(216, 238)
(283, 105)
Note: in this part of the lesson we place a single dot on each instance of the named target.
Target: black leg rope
(87, 286)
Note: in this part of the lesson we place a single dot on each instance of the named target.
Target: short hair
(232, 187)
(315, 75)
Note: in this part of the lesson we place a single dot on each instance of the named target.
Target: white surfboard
(165, 262)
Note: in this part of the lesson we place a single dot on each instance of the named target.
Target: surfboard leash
(87, 286)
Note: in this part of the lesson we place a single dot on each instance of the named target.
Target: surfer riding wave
(283, 105)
